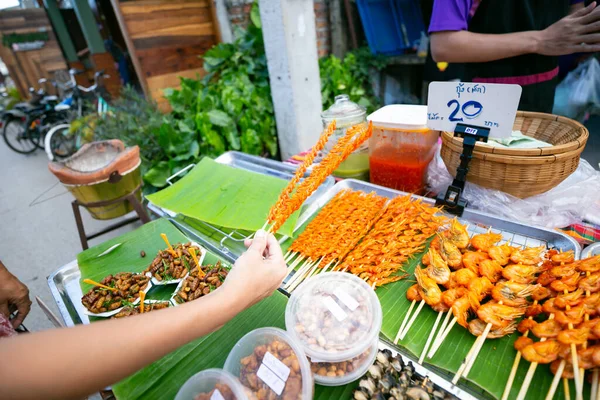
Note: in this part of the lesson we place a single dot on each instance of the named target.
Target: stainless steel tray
(590, 251)
(229, 243)
(516, 233)
(64, 285)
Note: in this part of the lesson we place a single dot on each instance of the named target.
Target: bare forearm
(85, 358)
(470, 47)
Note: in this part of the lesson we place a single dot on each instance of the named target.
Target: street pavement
(37, 239)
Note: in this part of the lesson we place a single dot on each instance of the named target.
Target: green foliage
(166, 145)
(231, 107)
(351, 76)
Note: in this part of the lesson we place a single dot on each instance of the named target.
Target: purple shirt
(454, 15)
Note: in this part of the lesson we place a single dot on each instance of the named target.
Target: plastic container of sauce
(401, 147)
(346, 114)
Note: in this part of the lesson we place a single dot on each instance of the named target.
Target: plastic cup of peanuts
(343, 372)
(270, 365)
(336, 317)
(212, 384)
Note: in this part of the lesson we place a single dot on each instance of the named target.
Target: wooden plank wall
(168, 37)
(27, 67)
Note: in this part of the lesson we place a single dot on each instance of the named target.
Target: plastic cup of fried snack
(212, 384)
(343, 372)
(270, 364)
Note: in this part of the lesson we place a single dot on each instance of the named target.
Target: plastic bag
(579, 92)
(575, 199)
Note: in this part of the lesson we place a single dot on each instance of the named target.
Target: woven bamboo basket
(523, 172)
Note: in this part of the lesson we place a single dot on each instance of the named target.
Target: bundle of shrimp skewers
(343, 221)
(472, 277)
(400, 233)
(570, 292)
(297, 191)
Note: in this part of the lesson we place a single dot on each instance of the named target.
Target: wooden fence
(166, 39)
(27, 67)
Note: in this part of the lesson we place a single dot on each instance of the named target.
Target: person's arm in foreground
(577, 32)
(13, 294)
(74, 362)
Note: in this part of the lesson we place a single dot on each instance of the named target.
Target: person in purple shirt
(514, 41)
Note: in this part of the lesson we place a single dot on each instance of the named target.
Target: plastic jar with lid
(346, 114)
(212, 384)
(401, 147)
(335, 316)
(271, 365)
(343, 372)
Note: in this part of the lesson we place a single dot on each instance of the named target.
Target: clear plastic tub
(344, 372)
(335, 316)
(270, 364)
(401, 147)
(346, 114)
(212, 384)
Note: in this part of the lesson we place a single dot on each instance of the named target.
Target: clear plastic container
(212, 384)
(346, 114)
(344, 372)
(401, 147)
(268, 362)
(336, 316)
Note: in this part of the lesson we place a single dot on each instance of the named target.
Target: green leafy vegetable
(231, 107)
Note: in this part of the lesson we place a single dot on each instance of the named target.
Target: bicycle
(62, 141)
(25, 126)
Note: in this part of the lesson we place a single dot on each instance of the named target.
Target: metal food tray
(590, 251)
(515, 233)
(64, 286)
(229, 243)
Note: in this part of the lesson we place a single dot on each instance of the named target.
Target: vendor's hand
(575, 33)
(13, 293)
(259, 271)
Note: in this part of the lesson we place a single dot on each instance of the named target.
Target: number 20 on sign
(492, 106)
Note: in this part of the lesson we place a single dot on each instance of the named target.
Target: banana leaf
(123, 253)
(163, 378)
(490, 372)
(225, 196)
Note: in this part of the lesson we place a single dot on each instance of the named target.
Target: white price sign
(488, 105)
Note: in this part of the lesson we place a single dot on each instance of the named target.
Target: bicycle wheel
(59, 142)
(17, 136)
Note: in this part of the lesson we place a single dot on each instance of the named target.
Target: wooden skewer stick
(567, 390)
(326, 268)
(441, 339)
(91, 282)
(302, 274)
(404, 321)
(594, 393)
(442, 329)
(513, 371)
(555, 381)
(299, 273)
(530, 373)
(412, 319)
(472, 355)
(313, 267)
(292, 265)
(430, 338)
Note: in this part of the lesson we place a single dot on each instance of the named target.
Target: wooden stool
(130, 197)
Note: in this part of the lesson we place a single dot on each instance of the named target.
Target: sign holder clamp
(452, 201)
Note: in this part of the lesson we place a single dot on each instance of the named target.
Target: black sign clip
(452, 201)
